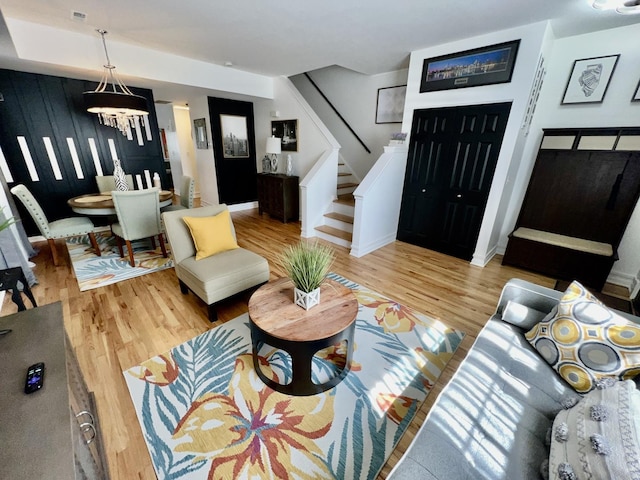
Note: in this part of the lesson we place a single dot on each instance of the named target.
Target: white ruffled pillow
(598, 437)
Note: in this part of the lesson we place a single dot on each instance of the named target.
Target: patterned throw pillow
(584, 341)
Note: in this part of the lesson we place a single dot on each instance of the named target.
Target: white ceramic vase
(119, 176)
(306, 300)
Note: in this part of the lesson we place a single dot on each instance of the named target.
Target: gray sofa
(491, 420)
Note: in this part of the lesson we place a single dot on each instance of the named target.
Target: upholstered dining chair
(63, 228)
(187, 192)
(107, 183)
(138, 213)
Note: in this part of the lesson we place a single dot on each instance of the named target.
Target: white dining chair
(138, 213)
(63, 228)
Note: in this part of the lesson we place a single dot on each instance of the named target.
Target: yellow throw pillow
(211, 235)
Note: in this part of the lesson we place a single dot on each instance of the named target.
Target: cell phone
(35, 378)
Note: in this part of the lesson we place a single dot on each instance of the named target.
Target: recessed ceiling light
(630, 7)
(624, 7)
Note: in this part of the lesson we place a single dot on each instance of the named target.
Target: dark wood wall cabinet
(53, 432)
(278, 196)
(582, 192)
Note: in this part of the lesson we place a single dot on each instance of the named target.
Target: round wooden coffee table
(277, 321)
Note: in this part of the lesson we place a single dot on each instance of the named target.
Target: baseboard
(482, 261)
(621, 279)
(238, 207)
(371, 246)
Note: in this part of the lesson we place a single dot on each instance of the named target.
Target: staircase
(338, 221)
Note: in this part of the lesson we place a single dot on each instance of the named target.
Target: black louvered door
(452, 158)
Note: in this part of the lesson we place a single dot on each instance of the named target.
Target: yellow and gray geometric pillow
(584, 341)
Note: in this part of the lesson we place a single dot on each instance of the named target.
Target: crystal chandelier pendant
(113, 102)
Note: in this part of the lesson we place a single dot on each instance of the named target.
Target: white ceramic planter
(306, 300)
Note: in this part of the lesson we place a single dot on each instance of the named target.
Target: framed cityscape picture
(235, 138)
(589, 79)
(470, 68)
(287, 132)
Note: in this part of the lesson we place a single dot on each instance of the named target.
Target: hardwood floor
(116, 327)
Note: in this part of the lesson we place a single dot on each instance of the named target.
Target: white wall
(616, 110)
(355, 96)
(533, 38)
(313, 137)
(204, 167)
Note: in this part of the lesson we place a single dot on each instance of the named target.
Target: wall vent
(78, 16)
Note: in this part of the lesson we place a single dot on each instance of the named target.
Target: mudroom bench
(561, 256)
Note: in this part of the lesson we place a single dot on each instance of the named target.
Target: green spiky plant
(307, 264)
(7, 222)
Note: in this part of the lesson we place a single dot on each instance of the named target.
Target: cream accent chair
(63, 228)
(187, 192)
(216, 277)
(138, 214)
(107, 183)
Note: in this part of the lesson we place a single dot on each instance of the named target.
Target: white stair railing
(317, 191)
(378, 199)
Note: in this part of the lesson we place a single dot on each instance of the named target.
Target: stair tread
(346, 199)
(339, 216)
(344, 174)
(336, 232)
(346, 185)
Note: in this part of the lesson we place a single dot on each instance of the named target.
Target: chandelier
(624, 7)
(114, 103)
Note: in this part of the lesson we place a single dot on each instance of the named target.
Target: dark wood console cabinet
(278, 196)
(54, 432)
(583, 189)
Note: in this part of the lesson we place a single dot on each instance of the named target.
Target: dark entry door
(234, 148)
(452, 159)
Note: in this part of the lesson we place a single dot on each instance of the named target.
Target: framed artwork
(235, 138)
(470, 68)
(200, 130)
(163, 141)
(589, 79)
(390, 105)
(636, 96)
(287, 131)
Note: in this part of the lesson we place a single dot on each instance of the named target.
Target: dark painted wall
(37, 106)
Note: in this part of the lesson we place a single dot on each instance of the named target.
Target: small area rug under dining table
(205, 413)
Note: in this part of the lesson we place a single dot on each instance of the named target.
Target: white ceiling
(288, 37)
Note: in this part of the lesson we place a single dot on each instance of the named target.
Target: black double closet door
(452, 158)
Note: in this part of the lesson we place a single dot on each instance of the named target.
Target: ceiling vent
(78, 16)
(161, 102)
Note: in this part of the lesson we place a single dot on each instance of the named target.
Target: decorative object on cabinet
(266, 164)
(55, 432)
(235, 138)
(636, 96)
(583, 189)
(278, 196)
(289, 165)
(274, 149)
(390, 104)
(470, 68)
(287, 130)
(200, 130)
(589, 79)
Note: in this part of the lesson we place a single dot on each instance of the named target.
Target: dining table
(102, 203)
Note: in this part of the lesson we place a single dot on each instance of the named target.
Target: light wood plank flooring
(118, 326)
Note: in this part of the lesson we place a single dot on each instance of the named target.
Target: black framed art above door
(234, 148)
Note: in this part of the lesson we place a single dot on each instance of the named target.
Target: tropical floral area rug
(93, 271)
(205, 414)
